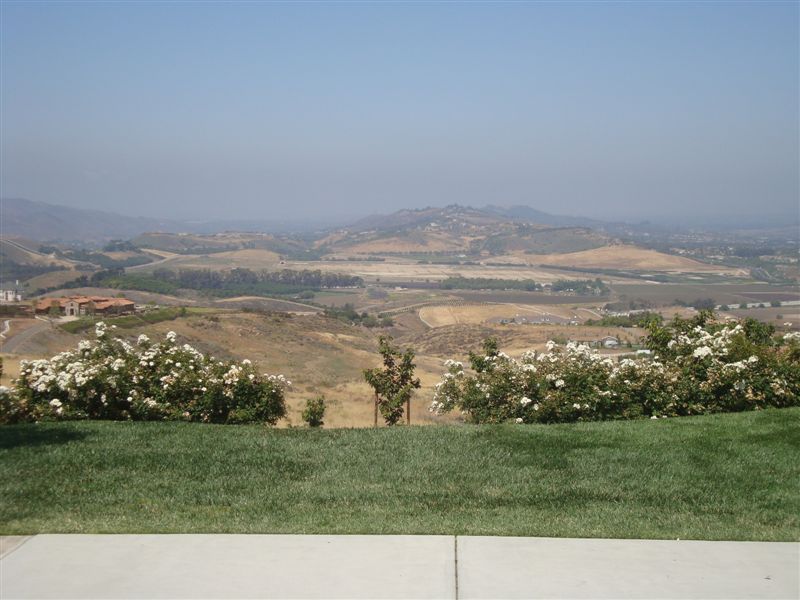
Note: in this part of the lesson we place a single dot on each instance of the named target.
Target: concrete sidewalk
(298, 566)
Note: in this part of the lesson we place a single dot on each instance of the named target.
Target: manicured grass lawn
(717, 477)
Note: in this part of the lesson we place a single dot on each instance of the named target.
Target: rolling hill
(464, 230)
(50, 222)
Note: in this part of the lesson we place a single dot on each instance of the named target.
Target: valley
(312, 305)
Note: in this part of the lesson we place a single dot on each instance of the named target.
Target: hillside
(20, 261)
(624, 256)
(47, 222)
(459, 230)
(51, 222)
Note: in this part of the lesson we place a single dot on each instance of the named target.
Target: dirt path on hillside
(17, 341)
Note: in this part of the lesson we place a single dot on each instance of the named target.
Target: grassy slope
(717, 477)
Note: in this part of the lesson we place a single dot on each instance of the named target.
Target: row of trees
(581, 286)
(207, 279)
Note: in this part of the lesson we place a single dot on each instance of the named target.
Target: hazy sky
(240, 110)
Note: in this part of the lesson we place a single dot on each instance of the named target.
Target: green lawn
(717, 477)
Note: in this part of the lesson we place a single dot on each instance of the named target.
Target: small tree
(314, 412)
(393, 383)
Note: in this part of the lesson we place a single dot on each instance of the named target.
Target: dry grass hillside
(325, 356)
(442, 316)
(25, 253)
(622, 256)
(250, 258)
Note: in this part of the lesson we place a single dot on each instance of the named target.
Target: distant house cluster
(76, 306)
(10, 296)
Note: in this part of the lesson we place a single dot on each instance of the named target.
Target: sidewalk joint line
(455, 557)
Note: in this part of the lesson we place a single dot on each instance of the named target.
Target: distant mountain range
(50, 222)
(41, 221)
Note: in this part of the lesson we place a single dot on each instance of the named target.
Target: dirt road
(16, 342)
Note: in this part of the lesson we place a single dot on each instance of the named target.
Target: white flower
(535, 407)
(560, 383)
(525, 401)
(142, 339)
(702, 351)
(55, 403)
(576, 405)
(550, 345)
(246, 361)
(519, 419)
(172, 336)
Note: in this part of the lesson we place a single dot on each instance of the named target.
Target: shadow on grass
(15, 436)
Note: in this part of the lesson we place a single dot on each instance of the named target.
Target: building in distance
(76, 306)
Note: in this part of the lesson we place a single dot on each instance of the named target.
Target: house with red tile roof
(75, 306)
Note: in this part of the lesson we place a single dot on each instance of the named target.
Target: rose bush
(698, 366)
(113, 379)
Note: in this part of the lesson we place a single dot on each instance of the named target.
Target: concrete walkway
(296, 566)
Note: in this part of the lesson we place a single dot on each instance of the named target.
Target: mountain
(406, 218)
(45, 222)
(455, 229)
(531, 215)
(50, 222)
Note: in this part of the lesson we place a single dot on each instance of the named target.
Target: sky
(239, 110)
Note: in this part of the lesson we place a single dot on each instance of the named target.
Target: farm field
(514, 297)
(398, 271)
(256, 259)
(439, 316)
(136, 295)
(777, 315)
(731, 477)
(722, 293)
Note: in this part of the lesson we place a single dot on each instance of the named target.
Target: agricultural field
(398, 270)
(251, 258)
(475, 314)
(778, 316)
(665, 294)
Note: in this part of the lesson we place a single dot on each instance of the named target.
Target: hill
(51, 222)
(464, 230)
(21, 261)
(625, 256)
(46, 222)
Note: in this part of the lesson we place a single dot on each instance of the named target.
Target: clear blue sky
(239, 110)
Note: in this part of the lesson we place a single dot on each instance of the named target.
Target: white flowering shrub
(113, 379)
(698, 367)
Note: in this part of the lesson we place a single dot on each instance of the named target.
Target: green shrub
(314, 412)
(112, 379)
(699, 366)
